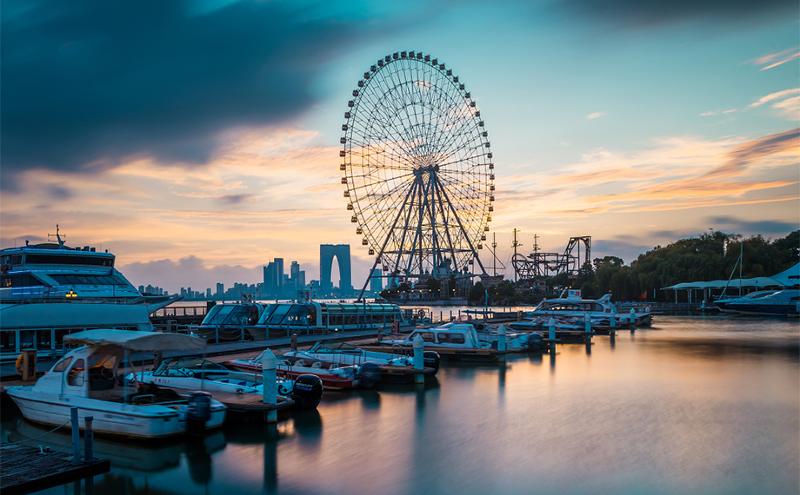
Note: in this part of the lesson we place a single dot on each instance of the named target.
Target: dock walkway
(26, 469)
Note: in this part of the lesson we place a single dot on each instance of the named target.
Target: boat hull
(109, 418)
(329, 381)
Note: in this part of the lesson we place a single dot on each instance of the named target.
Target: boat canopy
(787, 278)
(135, 340)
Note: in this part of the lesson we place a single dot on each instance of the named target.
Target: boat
(334, 376)
(571, 308)
(86, 378)
(517, 339)
(452, 341)
(49, 290)
(393, 367)
(219, 381)
(784, 302)
(254, 321)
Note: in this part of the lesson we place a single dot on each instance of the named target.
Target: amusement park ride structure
(417, 169)
(539, 265)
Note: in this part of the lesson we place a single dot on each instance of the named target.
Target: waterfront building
(376, 280)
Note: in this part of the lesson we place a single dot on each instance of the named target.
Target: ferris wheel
(417, 168)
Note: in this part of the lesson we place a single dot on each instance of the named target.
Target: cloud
(643, 13)
(786, 102)
(713, 113)
(595, 115)
(777, 59)
(741, 226)
(751, 151)
(103, 82)
(234, 199)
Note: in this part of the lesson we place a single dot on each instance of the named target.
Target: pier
(26, 469)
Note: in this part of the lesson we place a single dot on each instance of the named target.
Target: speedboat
(334, 376)
(452, 341)
(202, 374)
(393, 367)
(785, 302)
(49, 290)
(86, 378)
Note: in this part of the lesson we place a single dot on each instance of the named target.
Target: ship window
(8, 341)
(20, 280)
(88, 279)
(75, 377)
(62, 365)
(43, 339)
(64, 259)
(27, 339)
(426, 336)
(451, 338)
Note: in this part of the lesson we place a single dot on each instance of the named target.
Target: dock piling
(633, 320)
(88, 439)
(76, 435)
(269, 366)
(419, 359)
(551, 337)
(502, 343)
(587, 324)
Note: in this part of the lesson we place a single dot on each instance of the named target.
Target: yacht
(785, 302)
(88, 378)
(49, 290)
(571, 307)
(452, 341)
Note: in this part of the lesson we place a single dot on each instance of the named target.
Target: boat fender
(307, 391)
(431, 359)
(369, 374)
(535, 341)
(198, 411)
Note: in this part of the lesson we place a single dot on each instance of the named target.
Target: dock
(26, 469)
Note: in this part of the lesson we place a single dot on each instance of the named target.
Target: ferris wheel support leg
(463, 231)
(385, 242)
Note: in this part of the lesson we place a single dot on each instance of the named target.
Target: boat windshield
(186, 366)
(232, 314)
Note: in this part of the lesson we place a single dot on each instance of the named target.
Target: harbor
(666, 408)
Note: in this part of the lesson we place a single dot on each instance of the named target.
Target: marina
(649, 424)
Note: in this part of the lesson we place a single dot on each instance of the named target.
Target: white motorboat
(49, 290)
(454, 341)
(86, 378)
(784, 302)
(201, 374)
(571, 307)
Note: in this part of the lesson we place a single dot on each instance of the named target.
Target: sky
(198, 140)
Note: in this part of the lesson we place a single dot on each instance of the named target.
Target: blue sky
(173, 134)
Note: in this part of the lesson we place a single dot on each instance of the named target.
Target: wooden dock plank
(26, 469)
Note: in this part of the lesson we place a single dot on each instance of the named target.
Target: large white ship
(49, 290)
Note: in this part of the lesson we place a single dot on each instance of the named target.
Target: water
(694, 405)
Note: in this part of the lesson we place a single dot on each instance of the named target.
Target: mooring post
(551, 334)
(88, 439)
(502, 343)
(269, 376)
(613, 323)
(419, 359)
(76, 435)
(633, 320)
(587, 324)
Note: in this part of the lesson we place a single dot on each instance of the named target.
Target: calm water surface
(694, 405)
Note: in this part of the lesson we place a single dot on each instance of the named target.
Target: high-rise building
(279, 271)
(270, 280)
(220, 289)
(376, 280)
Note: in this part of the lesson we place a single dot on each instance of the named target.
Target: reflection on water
(694, 405)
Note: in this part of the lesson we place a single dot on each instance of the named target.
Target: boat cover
(135, 340)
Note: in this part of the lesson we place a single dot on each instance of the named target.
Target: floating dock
(26, 469)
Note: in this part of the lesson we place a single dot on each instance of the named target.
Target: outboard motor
(431, 360)
(369, 374)
(198, 411)
(307, 391)
(535, 342)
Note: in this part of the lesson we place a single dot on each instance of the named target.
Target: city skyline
(636, 129)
